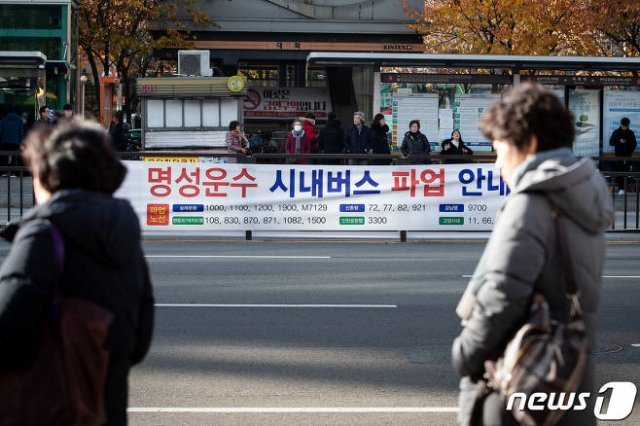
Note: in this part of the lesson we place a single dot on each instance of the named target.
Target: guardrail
(16, 187)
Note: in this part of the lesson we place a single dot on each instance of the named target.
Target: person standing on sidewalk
(551, 190)
(380, 139)
(455, 146)
(623, 139)
(46, 118)
(297, 142)
(119, 132)
(11, 136)
(309, 127)
(415, 145)
(237, 143)
(75, 173)
(331, 138)
(358, 139)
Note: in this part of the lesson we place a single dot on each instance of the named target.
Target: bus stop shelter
(451, 91)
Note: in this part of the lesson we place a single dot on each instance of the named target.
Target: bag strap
(571, 287)
(59, 255)
(58, 246)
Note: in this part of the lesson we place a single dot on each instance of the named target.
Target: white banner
(226, 197)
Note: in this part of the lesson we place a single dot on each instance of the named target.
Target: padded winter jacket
(104, 264)
(522, 257)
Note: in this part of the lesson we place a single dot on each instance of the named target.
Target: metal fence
(16, 184)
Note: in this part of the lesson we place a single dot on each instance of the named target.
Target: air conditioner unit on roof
(194, 63)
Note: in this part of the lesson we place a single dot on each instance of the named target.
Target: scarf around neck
(298, 137)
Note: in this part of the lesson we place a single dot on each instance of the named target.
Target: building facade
(44, 26)
(268, 41)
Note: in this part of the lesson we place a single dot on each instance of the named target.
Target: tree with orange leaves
(616, 26)
(508, 27)
(121, 35)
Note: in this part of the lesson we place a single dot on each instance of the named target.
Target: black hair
(376, 120)
(233, 124)
(416, 122)
(456, 130)
(625, 121)
(43, 108)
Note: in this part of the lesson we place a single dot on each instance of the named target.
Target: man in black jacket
(624, 141)
(330, 140)
(119, 132)
(358, 139)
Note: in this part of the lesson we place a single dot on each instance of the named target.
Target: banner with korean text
(251, 197)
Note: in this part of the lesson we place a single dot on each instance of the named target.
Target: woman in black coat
(380, 140)
(75, 173)
(455, 146)
(415, 145)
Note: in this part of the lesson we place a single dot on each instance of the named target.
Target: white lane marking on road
(213, 256)
(260, 410)
(636, 345)
(199, 256)
(621, 276)
(266, 305)
(604, 276)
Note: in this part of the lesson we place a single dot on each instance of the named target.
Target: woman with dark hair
(415, 145)
(75, 173)
(236, 142)
(550, 227)
(455, 146)
(380, 139)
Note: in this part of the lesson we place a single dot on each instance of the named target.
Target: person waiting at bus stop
(415, 145)
(358, 139)
(297, 143)
(455, 146)
(623, 139)
(331, 138)
(236, 142)
(380, 139)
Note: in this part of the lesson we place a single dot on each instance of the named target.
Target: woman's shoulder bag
(544, 355)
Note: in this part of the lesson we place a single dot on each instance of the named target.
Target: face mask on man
(297, 127)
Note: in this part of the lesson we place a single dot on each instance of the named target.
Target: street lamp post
(83, 80)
